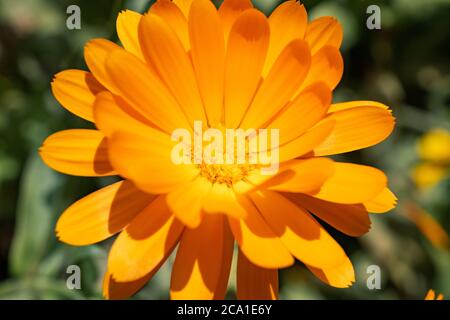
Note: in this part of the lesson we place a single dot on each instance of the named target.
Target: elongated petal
(310, 106)
(145, 158)
(113, 290)
(246, 51)
(76, 90)
(184, 5)
(340, 276)
(287, 22)
(257, 241)
(208, 56)
(302, 176)
(307, 142)
(324, 31)
(383, 202)
(186, 202)
(227, 258)
(351, 219)
(175, 18)
(230, 10)
(255, 283)
(144, 91)
(95, 54)
(351, 184)
(353, 104)
(222, 199)
(163, 49)
(111, 114)
(285, 76)
(127, 29)
(356, 128)
(144, 243)
(327, 66)
(197, 271)
(304, 237)
(101, 214)
(79, 152)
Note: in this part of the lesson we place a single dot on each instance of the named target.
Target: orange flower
(185, 61)
(431, 295)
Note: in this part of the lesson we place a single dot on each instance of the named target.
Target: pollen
(228, 174)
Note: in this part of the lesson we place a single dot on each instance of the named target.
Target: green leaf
(34, 217)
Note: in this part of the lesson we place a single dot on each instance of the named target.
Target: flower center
(228, 174)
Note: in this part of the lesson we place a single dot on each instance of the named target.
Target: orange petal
(382, 203)
(75, 90)
(230, 10)
(428, 225)
(287, 22)
(144, 91)
(163, 49)
(327, 66)
(208, 56)
(112, 114)
(145, 242)
(284, 78)
(113, 290)
(174, 17)
(257, 241)
(340, 276)
(186, 201)
(302, 175)
(184, 5)
(324, 31)
(227, 258)
(310, 106)
(101, 214)
(353, 104)
(144, 157)
(247, 47)
(255, 283)
(222, 199)
(79, 152)
(430, 295)
(307, 141)
(127, 30)
(351, 219)
(351, 184)
(197, 271)
(356, 128)
(298, 231)
(95, 53)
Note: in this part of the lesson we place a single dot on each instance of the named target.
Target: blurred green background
(404, 65)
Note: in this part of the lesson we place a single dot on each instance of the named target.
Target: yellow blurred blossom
(434, 151)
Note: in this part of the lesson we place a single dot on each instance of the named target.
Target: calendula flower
(184, 63)
(431, 295)
(434, 153)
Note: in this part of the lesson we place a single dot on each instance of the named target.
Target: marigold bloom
(186, 61)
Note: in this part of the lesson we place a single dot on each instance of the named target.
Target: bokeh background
(405, 65)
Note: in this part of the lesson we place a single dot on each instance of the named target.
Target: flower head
(185, 62)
